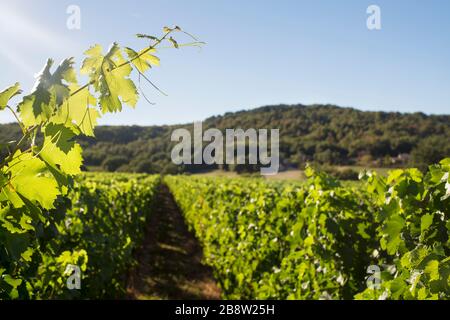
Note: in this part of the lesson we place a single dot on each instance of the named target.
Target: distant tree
(430, 150)
(171, 168)
(112, 163)
(146, 166)
(319, 133)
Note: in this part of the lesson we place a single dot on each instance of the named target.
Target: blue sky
(257, 53)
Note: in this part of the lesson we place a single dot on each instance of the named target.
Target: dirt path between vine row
(169, 262)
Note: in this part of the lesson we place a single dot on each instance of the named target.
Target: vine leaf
(14, 283)
(7, 193)
(76, 113)
(112, 82)
(30, 179)
(8, 93)
(61, 135)
(426, 221)
(93, 62)
(142, 61)
(392, 230)
(59, 149)
(69, 163)
(432, 269)
(49, 91)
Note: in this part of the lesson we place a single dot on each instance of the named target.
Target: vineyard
(65, 234)
(56, 224)
(316, 240)
(97, 230)
(263, 239)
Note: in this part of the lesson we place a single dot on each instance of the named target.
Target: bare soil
(170, 259)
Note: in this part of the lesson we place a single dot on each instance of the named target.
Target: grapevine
(315, 240)
(38, 173)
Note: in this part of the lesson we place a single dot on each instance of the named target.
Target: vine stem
(17, 118)
(126, 62)
(145, 51)
(29, 131)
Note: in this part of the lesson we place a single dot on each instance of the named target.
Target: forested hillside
(324, 134)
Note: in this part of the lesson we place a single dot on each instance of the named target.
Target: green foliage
(341, 173)
(112, 163)
(315, 240)
(111, 82)
(50, 91)
(430, 150)
(97, 231)
(46, 219)
(7, 94)
(322, 134)
(414, 230)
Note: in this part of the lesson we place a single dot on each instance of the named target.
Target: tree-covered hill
(324, 134)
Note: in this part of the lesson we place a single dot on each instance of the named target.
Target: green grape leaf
(26, 223)
(392, 232)
(422, 293)
(92, 64)
(49, 91)
(6, 220)
(412, 259)
(29, 178)
(69, 163)
(426, 221)
(110, 74)
(394, 175)
(12, 227)
(61, 178)
(16, 244)
(88, 122)
(14, 283)
(60, 150)
(11, 281)
(65, 71)
(415, 174)
(61, 136)
(76, 113)
(362, 230)
(142, 61)
(27, 254)
(8, 193)
(8, 93)
(432, 269)
(16, 221)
